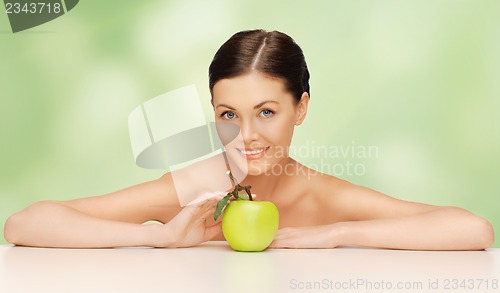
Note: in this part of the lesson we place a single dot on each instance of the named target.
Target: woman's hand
(194, 224)
(325, 236)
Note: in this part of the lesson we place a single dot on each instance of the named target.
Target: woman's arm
(373, 219)
(445, 228)
(115, 220)
(54, 224)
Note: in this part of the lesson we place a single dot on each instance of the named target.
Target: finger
(212, 231)
(276, 244)
(200, 211)
(207, 213)
(207, 196)
(207, 210)
(210, 204)
(281, 234)
(282, 244)
(273, 245)
(203, 207)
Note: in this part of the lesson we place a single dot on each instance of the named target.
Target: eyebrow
(255, 107)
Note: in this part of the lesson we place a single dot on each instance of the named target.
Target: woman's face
(265, 113)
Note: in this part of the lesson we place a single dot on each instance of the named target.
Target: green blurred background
(416, 80)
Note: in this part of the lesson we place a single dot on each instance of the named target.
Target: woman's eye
(228, 115)
(266, 113)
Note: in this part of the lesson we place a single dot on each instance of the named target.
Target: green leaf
(243, 196)
(220, 205)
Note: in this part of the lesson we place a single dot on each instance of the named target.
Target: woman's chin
(242, 168)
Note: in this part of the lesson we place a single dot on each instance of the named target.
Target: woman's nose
(249, 132)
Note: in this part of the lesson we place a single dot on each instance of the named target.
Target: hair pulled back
(271, 53)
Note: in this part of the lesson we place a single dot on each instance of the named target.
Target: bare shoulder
(151, 200)
(353, 202)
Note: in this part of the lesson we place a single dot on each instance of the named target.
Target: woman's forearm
(443, 229)
(51, 224)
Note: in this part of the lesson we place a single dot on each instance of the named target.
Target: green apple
(250, 225)
(247, 225)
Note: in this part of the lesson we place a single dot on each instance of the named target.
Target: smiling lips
(253, 154)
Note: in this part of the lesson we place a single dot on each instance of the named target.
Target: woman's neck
(264, 186)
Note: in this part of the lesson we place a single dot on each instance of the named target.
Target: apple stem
(232, 178)
(238, 187)
(247, 189)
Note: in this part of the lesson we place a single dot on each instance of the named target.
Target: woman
(259, 81)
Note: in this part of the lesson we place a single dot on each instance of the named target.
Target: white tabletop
(214, 267)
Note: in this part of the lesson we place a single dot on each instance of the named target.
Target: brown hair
(272, 53)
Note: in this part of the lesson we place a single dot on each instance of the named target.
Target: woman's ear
(301, 108)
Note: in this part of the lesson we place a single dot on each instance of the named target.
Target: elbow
(476, 233)
(485, 233)
(9, 231)
(18, 226)
(480, 232)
